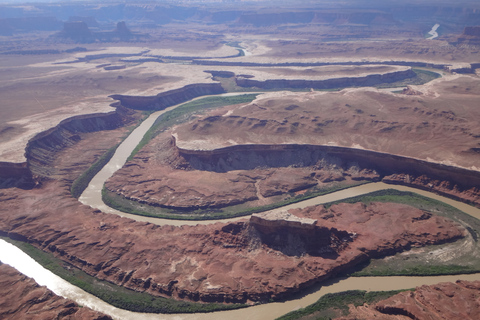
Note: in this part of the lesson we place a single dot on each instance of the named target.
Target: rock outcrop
(15, 175)
(297, 236)
(172, 177)
(23, 298)
(165, 176)
(42, 150)
(370, 80)
(234, 262)
(169, 98)
(443, 301)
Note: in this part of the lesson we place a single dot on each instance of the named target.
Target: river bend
(13, 256)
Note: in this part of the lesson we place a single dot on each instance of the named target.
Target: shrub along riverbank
(122, 204)
(115, 295)
(335, 305)
(459, 257)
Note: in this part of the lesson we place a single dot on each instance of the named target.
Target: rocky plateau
(247, 261)
(284, 143)
(23, 298)
(443, 301)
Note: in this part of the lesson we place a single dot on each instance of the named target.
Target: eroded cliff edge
(284, 143)
(445, 300)
(254, 260)
(23, 298)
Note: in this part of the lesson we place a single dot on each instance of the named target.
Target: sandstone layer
(236, 262)
(338, 82)
(283, 143)
(23, 298)
(444, 301)
(162, 175)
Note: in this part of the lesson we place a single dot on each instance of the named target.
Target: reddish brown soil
(220, 262)
(437, 124)
(160, 176)
(23, 298)
(444, 301)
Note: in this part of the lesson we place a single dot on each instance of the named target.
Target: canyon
(65, 107)
(233, 262)
(285, 143)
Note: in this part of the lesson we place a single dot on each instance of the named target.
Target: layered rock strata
(23, 298)
(369, 80)
(236, 262)
(443, 301)
(162, 175)
(169, 98)
(42, 150)
(421, 136)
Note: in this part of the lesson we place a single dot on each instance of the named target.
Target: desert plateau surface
(204, 159)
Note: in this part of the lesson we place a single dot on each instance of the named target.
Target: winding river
(433, 33)
(11, 255)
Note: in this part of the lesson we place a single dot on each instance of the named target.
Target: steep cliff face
(235, 262)
(369, 80)
(295, 236)
(23, 298)
(162, 175)
(169, 98)
(42, 149)
(248, 157)
(15, 175)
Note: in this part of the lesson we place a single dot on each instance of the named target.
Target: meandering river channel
(13, 256)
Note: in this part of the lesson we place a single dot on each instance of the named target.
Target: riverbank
(22, 262)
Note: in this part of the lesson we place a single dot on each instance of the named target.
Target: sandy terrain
(439, 125)
(37, 96)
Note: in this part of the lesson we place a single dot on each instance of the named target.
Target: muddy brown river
(13, 256)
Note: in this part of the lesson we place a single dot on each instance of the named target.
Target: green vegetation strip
(421, 264)
(334, 305)
(115, 295)
(422, 76)
(185, 111)
(120, 203)
(81, 183)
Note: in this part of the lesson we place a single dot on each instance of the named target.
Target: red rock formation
(234, 262)
(443, 187)
(443, 301)
(169, 98)
(23, 298)
(409, 91)
(161, 175)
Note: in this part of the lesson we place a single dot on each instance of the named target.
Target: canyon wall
(447, 180)
(15, 175)
(42, 149)
(168, 98)
(369, 80)
(23, 298)
(318, 64)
